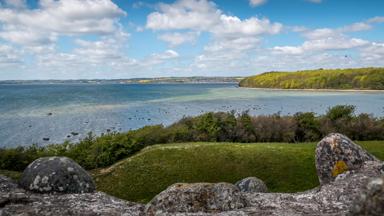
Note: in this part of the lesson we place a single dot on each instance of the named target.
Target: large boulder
(252, 185)
(56, 174)
(371, 201)
(198, 197)
(337, 154)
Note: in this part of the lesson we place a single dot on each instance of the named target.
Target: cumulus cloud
(204, 16)
(9, 56)
(234, 26)
(233, 45)
(378, 19)
(322, 42)
(374, 52)
(177, 38)
(315, 1)
(52, 18)
(255, 3)
(184, 14)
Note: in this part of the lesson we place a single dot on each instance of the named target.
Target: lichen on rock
(198, 197)
(336, 154)
(371, 200)
(56, 174)
(252, 185)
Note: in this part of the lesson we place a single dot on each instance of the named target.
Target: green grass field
(283, 167)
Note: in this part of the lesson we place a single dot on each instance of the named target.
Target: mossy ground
(283, 167)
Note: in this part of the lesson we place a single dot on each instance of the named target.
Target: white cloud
(320, 33)
(355, 27)
(288, 49)
(233, 45)
(329, 43)
(52, 18)
(176, 38)
(168, 54)
(315, 1)
(27, 37)
(255, 3)
(67, 17)
(233, 26)
(9, 56)
(184, 14)
(203, 15)
(322, 39)
(378, 19)
(373, 53)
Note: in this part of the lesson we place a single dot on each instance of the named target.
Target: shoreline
(319, 90)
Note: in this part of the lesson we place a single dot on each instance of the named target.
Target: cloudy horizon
(104, 39)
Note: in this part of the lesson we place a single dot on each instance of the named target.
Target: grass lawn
(11, 174)
(283, 167)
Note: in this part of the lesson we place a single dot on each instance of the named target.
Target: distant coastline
(161, 80)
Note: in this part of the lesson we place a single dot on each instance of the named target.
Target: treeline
(360, 78)
(94, 152)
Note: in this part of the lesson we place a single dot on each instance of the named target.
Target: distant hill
(359, 78)
(158, 80)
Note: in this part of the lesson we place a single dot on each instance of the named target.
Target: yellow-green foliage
(360, 78)
(339, 168)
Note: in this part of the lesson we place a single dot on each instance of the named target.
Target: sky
(111, 39)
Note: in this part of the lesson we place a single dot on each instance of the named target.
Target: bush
(94, 152)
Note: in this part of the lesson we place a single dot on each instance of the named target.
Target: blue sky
(86, 39)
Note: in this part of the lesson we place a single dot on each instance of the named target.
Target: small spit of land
(342, 79)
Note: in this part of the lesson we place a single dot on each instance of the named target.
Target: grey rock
(252, 185)
(336, 154)
(371, 201)
(17, 201)
(7, 184)
(56, 174)
(198, 197)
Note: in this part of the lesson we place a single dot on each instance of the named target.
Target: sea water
(35, 113)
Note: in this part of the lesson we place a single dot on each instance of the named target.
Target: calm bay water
(29, 113)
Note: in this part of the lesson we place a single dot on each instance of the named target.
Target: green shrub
(94, 152)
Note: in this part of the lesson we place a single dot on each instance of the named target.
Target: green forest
(359, 78)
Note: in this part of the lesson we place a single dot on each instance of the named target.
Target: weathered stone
(252, 185)
(371, 201)
(336, 154)
(17, 201)
(56, 174)
(198, 197)
(7, 184)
